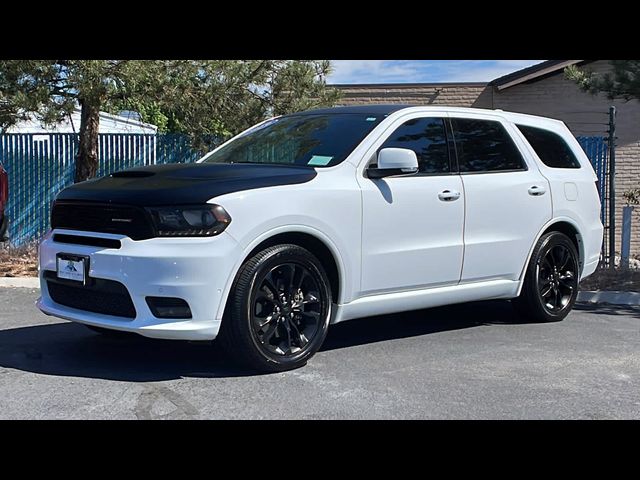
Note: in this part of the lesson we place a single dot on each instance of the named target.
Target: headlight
(189, 221)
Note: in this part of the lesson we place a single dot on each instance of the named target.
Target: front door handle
(537, 190)
(448, 195)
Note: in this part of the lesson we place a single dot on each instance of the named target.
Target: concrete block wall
(452, 94)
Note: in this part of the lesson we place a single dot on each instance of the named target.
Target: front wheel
(551, 281)
(278, 310)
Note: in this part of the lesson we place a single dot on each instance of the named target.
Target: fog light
(168, 307)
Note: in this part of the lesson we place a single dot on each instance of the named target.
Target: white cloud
(408, 71)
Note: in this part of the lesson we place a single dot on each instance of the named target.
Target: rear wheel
(278, 310)
(551, 281)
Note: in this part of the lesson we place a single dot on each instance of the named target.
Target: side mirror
(394, 161)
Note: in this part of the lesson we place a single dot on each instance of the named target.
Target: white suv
(328, 215)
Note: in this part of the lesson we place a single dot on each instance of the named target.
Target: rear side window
(485, 146)
(426, 137)
(550, 147)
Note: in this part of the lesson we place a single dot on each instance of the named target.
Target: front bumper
(194, 269)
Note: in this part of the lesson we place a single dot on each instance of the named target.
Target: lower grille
(102, 296)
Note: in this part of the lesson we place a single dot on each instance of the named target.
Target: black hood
(184, 184)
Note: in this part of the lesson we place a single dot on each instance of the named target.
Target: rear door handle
(448, 195)
(537, 190)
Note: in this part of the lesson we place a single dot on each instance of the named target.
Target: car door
(412, 231)
(507, 199)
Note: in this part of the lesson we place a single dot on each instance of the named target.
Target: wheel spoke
(545, 292)
(287, 328)
(266, 297)
(268, 334)
(563, 259)
(567, 283)
(550, 259)
(292, 273)
(304, 274)
(269, 284)
(302, 340)
(309, 298)
(557, 298)
(263, 322)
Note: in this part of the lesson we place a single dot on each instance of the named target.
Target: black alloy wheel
(287, 311)
(278, 311)
(551, 280)
(557, 278)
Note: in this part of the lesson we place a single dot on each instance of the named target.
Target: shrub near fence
(41, 165)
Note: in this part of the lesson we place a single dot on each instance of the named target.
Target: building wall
(457, 95)
(553, 96)
(586, 114)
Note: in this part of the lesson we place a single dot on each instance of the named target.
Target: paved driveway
(467, 361)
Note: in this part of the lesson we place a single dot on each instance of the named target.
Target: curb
(610, 297)
(20, 282)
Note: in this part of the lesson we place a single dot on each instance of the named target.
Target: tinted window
(426, 137)
(550, 147)
(321, 140)
(484, 146)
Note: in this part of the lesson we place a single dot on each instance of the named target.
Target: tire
(551, 280)
(278, 311)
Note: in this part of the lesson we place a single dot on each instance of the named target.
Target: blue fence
(597, 149)
(40, 165)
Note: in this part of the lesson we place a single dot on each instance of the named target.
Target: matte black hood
(184, 184)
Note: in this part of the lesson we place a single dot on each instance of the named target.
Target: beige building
(539, 90)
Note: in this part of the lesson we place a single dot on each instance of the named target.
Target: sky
(423, 71)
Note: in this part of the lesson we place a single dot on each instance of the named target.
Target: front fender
(345, 276)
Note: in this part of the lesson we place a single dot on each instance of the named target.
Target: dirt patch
(19, 261)
(627, 280)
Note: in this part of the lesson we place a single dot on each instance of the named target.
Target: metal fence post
(612, 186)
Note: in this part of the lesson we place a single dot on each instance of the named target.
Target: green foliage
(623, 82)
(201, 98)
(220, 98)
(632, 196)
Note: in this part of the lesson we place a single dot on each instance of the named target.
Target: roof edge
(531, 73)
(405, 85)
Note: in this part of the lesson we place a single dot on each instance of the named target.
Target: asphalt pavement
(473, 361)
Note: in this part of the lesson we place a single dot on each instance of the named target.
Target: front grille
(90, 241)
(100, 296)
(96, 217)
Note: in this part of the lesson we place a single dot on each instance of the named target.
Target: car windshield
(316, 140)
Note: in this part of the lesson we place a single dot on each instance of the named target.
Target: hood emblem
(122, 220)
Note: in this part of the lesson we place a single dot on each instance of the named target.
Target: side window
(550, 147)
(426, 137)
(485, 146)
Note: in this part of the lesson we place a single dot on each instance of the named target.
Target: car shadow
(70, 349)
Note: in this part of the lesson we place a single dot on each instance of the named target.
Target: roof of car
(362, 109)
(389, 109)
